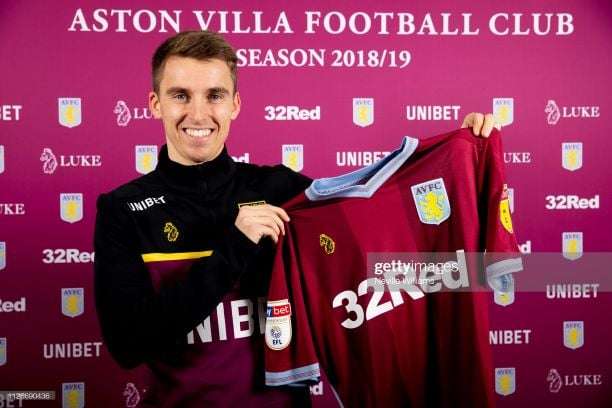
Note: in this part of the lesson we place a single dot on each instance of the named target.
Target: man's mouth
(197, 132)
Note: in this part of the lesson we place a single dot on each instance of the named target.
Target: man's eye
(216, 97)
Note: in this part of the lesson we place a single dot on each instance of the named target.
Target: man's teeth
(198, 132)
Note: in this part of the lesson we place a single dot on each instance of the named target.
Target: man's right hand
(259, 221)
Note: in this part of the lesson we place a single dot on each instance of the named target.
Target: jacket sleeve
(138, 323)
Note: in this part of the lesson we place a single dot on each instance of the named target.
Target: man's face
(196, 103)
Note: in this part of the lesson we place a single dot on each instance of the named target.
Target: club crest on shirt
(504, 209)
(328, 244)
(573, 335)
(431, 201)
(505, 381)
(278, 324)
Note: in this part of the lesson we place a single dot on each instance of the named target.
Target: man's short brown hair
(201, 45)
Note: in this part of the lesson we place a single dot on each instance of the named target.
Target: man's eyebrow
(176, 90)
(219, 89)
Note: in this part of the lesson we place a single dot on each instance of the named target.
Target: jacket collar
(211, 175)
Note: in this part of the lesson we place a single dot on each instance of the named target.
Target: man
(182, 266)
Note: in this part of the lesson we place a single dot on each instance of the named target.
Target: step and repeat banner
(327, 87)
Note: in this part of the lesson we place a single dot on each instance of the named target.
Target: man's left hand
(482, 125)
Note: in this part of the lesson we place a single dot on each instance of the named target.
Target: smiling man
(180, 282)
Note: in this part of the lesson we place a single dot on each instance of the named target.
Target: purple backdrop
(74, 122)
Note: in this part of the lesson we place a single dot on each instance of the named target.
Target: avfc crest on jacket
(573, 335)
(505, 381)
(146, 159)
(431, 201)
(69, 112)
(72, 302)
(73, 395)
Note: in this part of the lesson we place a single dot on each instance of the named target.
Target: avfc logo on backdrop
(505, 381)
(1, 159)
(73, 395)
(504, 299)
(571, 156)
(72, 301)
(71, 207)
(572, 245)
(2, 255)
(573, 335)
(2, 351)
(69, 112)
(431, 201)
(363, 111)
(293, 157)
(503, 110)
(146, 159)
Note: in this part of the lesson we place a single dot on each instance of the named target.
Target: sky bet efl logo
(69, 112)
(278, 324)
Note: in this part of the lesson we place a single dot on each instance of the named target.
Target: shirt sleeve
(502, 256)
(139, 323)
(290, 356)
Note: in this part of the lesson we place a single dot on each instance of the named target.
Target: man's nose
(199, 109)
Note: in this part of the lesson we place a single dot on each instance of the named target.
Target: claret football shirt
(346, 295)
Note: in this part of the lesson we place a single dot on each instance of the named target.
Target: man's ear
(236, 103)
(154, 105)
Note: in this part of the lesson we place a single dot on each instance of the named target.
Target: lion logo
(123, 113)
(555, 381)
(328, 244)
(132, 396)
(171, 231)
(49, 161)
(554, 114)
